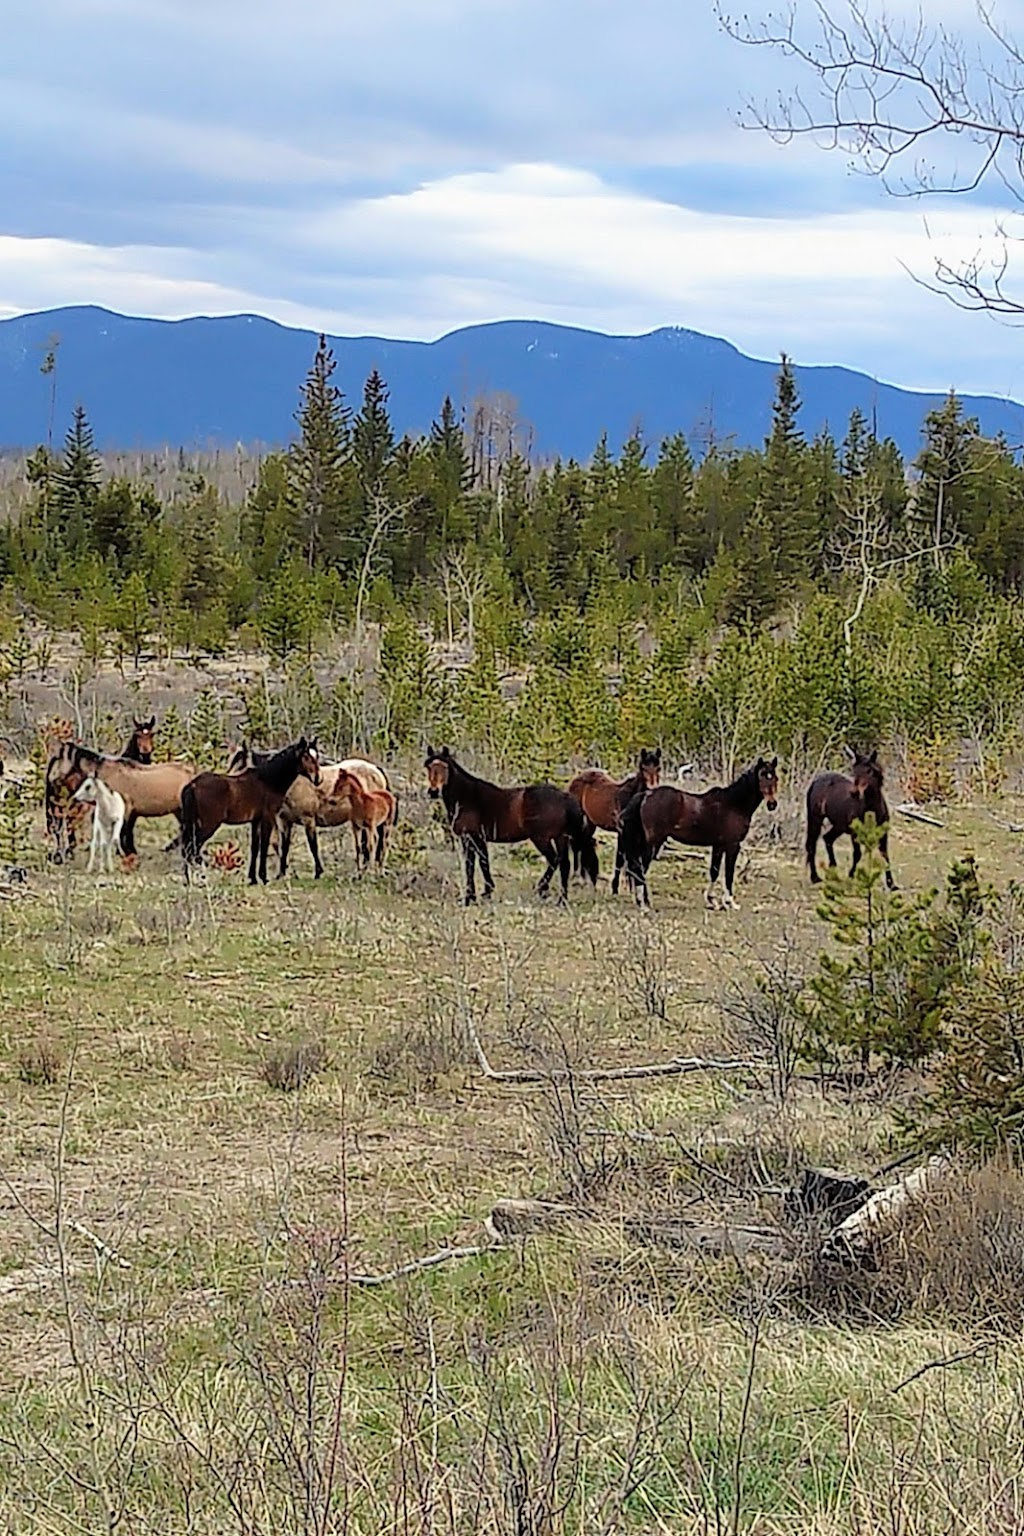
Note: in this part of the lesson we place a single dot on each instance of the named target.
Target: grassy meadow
(195, 1200)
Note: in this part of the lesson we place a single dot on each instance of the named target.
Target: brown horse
(604, 799)
(371, 812)
(840, 801)
(718, 819)
(148, 789)
(255, 795)
(140, 743)
(480, 812)
(316, 807)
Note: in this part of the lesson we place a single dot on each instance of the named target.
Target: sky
(402, 168)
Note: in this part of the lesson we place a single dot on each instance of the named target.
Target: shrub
(288, 1068)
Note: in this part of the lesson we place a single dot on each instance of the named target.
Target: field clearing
(581, 1382)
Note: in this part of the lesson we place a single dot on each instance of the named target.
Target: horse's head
(438, 764)
(768, 781)
(309, 759)
(142, 734)
(650, 767)
(239, 758)
(86, 791)
(867, 772)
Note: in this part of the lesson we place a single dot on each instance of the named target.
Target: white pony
(107, 819)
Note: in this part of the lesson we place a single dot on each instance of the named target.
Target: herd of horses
(279, 790)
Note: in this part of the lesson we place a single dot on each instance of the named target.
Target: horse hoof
(709, 901)
(729, 904)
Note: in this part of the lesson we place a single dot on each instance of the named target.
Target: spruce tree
(373, 439)
(943, 466)
(783, 480)
(78, 481)
(318, 463)
(451, 476)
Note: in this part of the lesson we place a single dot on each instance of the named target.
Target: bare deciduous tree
(890, 91)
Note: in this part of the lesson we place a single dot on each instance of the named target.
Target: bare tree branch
(890, 93)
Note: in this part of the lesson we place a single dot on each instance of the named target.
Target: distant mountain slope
(146, 383)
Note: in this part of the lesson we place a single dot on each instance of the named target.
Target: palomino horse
(318, 807)
(148, 789)
(718, 819)
(604, 799)
(479, 813)
(255, 795)
(840, 801)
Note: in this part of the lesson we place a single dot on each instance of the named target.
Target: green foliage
(884, 992)
(16, 813)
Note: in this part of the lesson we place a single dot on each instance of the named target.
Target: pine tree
(373, 439)
(451, 476)
(783, 481)
(943, 466)
(78, 480)
(318, 464)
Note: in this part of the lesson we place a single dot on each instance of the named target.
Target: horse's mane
(465, 774)
(273, 770)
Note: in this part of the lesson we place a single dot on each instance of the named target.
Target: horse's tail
(583, 843)
(633, 839)
(190, 845)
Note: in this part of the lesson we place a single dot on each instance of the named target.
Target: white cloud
(552, 242)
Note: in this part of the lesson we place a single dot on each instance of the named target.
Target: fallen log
(855, 1237)
(915, 814)
(676, 1067)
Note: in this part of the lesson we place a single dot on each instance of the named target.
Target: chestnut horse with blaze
(480, 813)
(255, 795)
(718, 819)
(604, 799)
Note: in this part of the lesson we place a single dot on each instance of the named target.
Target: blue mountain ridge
(235, 379)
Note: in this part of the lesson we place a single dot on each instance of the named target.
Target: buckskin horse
(840, 801)
(604, 799)
(718, 819)
(148, 789)
(480, 813)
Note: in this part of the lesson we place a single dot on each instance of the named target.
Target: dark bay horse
(604, 799)
(64, 815)
(718, 819)
(140, 743)
(255, 795)
(480, 813)
(139, 749)
(840, 801)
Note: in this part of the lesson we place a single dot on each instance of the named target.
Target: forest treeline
(795, 594)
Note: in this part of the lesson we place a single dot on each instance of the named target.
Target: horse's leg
(814, 825)
(285, 840)
(313, 839)
(716, 864)
(563, 868)
(883, 848)
(484, 857)
(551, 854)
(469, 849)
(266, 826)
(856, 854)
(731, 855)
(619, 866)
(128, 833)
(254, 848)
(114, 841)
(830, 846)
(94, 842)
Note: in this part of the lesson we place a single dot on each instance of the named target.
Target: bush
(288, 1068)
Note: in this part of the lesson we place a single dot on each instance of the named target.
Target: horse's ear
(773, 764)
(656, 754)
(430, 752)
(874, 756)
(152, 723)
(851, 754)
(446, 752)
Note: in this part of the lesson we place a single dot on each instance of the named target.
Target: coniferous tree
(78, 480)
(451, 476)
(318, 464)
(783, 480)
(944, 466)
(373, 439)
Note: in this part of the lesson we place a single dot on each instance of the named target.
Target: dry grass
(585, 1382)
